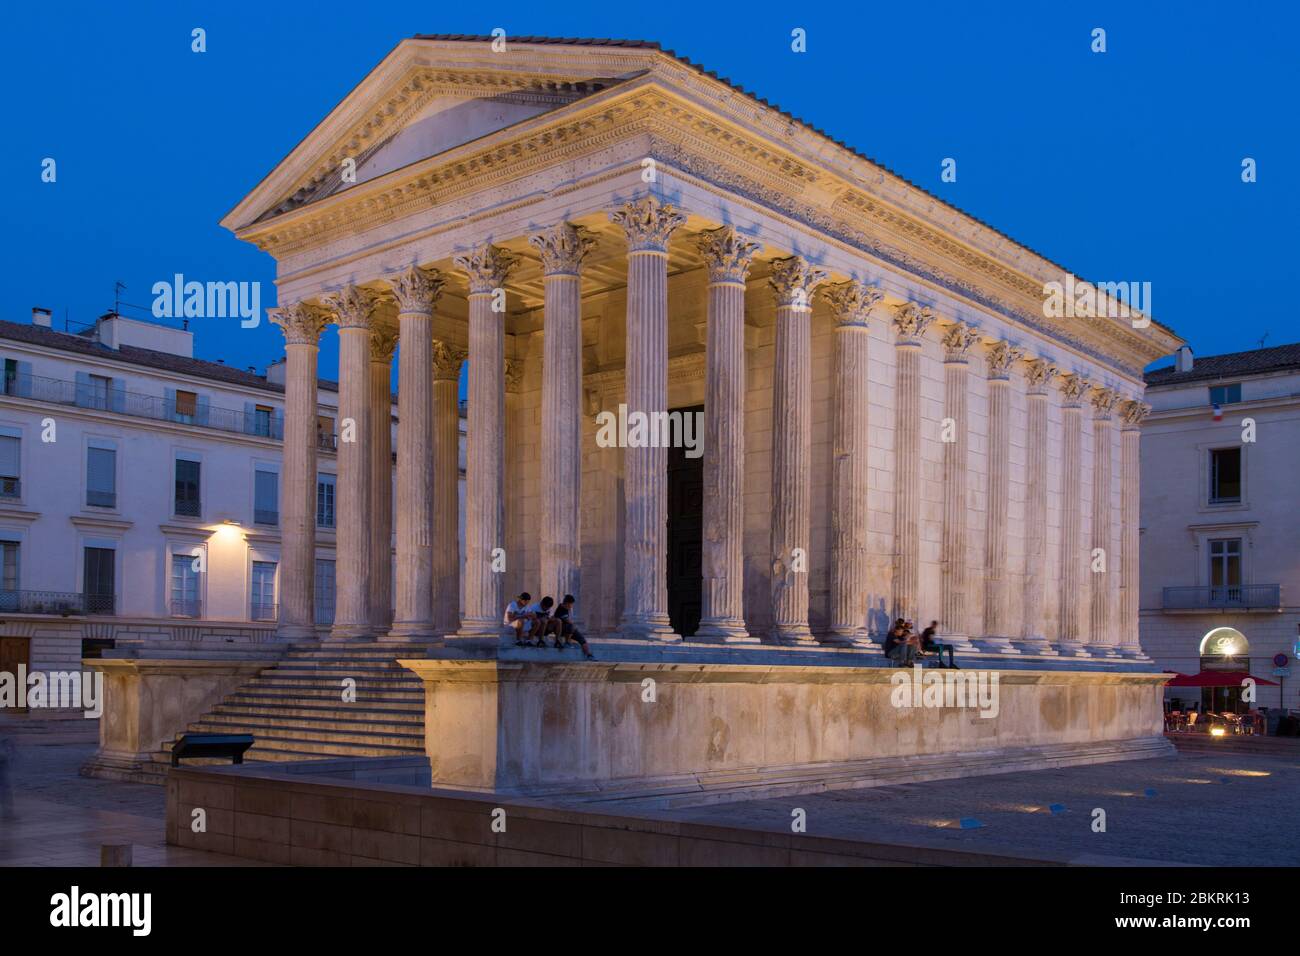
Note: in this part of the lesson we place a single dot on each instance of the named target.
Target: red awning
(1217, 679)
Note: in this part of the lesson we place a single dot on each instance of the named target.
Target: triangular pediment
(425, 98)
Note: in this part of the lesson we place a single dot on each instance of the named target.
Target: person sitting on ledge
(567, 631)
(519, 618)
(897, 646)
(930, 646)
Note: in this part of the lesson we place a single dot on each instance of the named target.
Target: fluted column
(487, 268)
(562, 250)
(1101, 636)
(1070, 641)
(301, 325)
(383, 342)
(447, 360)
(728, 256)
(1132, 413)
(794, 281)
(1038, 376)
(954, 607)
(354, 311)
(851, 304)
(648, 223)
(996, 631)
(910, 322)
(416, 291)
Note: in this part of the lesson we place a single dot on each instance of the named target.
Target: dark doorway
(685, 534)
(15, 651)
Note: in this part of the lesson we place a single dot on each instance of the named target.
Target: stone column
(562, 249)
(1073, 387)
(1132, 413)
(728, 256)
(794, 282)
(1101, 636)
(416, 291)
(997, 629)
(301, 325)
(1038, 376)
(354, 310)
(487, 268)
(955, 618)
(383, 342)
(910, 322)
(851, 304)
(447, 360)
(648, 223)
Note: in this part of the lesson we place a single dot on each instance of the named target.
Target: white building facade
(140, 495)
(1220, 530)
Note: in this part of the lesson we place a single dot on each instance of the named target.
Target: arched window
(1224, 642)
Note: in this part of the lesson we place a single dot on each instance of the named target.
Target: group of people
(904, 646)
(533, 622)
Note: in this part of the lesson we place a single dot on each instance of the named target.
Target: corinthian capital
(727, 254)
(1132, 412)
(301, 323)
(488, 267)
(447, 360)
(353, 307)
(958, 338)
(383, 342)
(416, 290)
(911, 321)
(563, 248)
(648, 224)
(851, 302)
(1039, 374)
(1001, 356)
(1103, 401)
(794, 281)
(1072, 386)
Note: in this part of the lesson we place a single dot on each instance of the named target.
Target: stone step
(337, 673)
(290, 748)
(269, 728)
(383, 697)
(336, 681)
(362, 722)
(324, 705)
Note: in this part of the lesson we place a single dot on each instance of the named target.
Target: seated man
(519, 618)
(568, 631)
(930, 646)
(897, 646)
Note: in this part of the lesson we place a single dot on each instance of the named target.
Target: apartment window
(262, 418)
(99, 582)
(1225, 475)
(325, 501)
(1225, 394)
(101, 477)
(10, 599)
(187, 488)
(324, 591)
(101, 387)
(262, 592)
(266, 497)
(10, 458)
(11, 377)
(187, 407)
(1225, 570)
(324, 431)
(184, 586)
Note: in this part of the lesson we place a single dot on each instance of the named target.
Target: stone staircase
(295, 709)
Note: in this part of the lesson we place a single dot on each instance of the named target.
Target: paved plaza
(1206, 809)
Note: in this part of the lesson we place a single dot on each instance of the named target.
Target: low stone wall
(277, 816)
(637, 728)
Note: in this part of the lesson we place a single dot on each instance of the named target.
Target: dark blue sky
(1120, 166)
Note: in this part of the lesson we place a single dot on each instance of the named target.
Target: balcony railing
(100, 603)
(11, 488)
(62, 603)
(266, 516)
(101, 499)
(326, 441)
(186, 607)
(259, 611)
(1240, 597)
(136, 405)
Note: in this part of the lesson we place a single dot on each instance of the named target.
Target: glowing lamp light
(1217, 731)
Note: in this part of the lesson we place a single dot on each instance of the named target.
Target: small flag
(1057, 808)
(1149, 792)
(970, 823)
(1218, 412)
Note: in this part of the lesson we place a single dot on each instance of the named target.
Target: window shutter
(169, 404)
(101, 470)
(10, 456)
(277, 423)
(83, 389)
(201, 410)
(117, 392)
(24, 383)
(250, 418)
